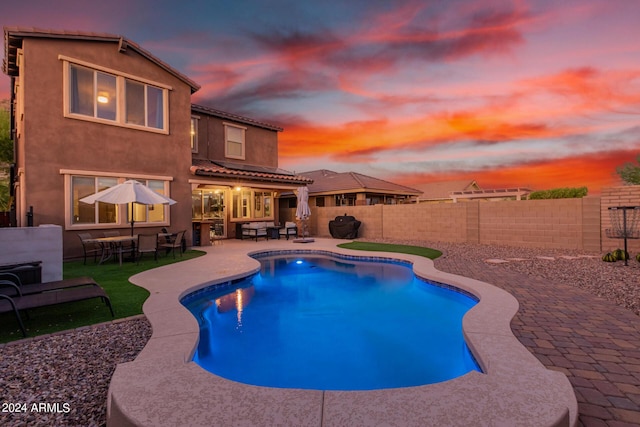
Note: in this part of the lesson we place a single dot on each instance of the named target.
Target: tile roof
(203, 167)
(443, 189)
(326, 181)
(236, 118)
(13, 37)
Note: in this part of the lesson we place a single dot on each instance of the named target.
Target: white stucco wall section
(29, 244)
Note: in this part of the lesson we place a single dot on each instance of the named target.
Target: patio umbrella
(303, 212)
(130, 191)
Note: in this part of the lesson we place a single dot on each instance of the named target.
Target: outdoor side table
(273, 232)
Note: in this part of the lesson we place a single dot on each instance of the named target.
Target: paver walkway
(594, 342)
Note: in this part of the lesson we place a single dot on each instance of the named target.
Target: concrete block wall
(446, 222)
(577, 224)
(628, 195)
(371, 217)
(552, 224)
(591, 224)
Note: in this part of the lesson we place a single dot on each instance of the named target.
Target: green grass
(126, 298)
(388, 247)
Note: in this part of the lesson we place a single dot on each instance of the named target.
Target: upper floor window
(93, 93)
(194, 134)
(234, 141)
(106, 96)
(144, 105)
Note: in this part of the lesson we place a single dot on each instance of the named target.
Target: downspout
(13, 176)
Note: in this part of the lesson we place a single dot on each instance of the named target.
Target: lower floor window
(148, 213)
(99, 213)
(251, 204)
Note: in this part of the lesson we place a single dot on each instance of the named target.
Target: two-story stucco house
(92, 110)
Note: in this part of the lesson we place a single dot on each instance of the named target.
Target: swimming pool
(325, 322)
(164, 387)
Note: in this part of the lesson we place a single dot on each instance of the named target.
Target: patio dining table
(113, 245)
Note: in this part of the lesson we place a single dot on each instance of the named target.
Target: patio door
(216, 208)
(208, 205)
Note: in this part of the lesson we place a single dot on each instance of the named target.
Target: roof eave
(12, 34)
(252, 178)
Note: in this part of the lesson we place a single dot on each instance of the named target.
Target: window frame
(122, 210)
(121, 96)
(193, 133)
(243, 202)
(242, 143)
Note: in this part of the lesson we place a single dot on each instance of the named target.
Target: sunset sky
(529, 93)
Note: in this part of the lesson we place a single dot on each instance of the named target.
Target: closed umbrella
(130, 191)
(303, 212)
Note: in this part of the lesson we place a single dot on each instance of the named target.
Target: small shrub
(559, 193)
(621, 255)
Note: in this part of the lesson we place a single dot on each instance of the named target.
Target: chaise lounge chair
(13, 298)
(34, 288)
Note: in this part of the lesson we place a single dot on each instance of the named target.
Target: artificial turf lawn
(388, 247)
(126, 298)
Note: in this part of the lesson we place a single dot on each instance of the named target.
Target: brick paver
(594, 342)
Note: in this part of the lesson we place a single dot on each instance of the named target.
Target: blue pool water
(326, 323)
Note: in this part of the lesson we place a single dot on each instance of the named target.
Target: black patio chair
(176, 243)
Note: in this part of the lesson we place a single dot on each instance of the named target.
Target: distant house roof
(13, 37)
(330, 182)
(442, 190)
(248, 172)
(236, 118)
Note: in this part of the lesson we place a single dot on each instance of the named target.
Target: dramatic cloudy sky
(538, 93)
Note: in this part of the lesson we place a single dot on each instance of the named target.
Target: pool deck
(595, 342)
(163, 387)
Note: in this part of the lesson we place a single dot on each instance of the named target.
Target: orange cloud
(593, 171)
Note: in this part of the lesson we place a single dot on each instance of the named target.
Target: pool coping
(163, 387)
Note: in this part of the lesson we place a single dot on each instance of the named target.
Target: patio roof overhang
(251, 173)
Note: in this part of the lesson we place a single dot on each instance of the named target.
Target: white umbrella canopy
(130, 191)
(303, 211)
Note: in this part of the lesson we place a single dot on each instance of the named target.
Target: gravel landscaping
(63, 379)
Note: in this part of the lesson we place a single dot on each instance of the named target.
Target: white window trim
(226, 140)
(120, 88)
(122, 214)
(195, 141)
(252, 194)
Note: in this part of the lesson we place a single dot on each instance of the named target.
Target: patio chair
(147, 243)
(90, 247)
(177, 243)
(13, 300)
(289, 229)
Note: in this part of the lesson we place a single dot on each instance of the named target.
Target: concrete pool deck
(163, 387)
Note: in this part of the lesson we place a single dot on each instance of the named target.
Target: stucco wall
(29, 244)
(261, 145)
(54, 142)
